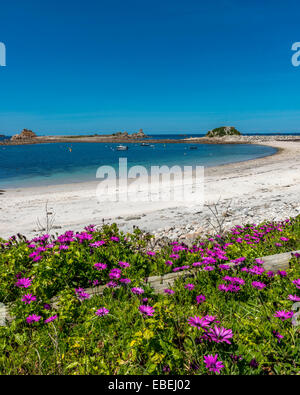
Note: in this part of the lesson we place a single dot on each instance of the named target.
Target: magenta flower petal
(212, 363)
(27, 299)
(102, 312)
(33, 318)
(50, 319)
(147, 310)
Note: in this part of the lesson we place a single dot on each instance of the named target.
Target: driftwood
(160, 283)
(279, 261)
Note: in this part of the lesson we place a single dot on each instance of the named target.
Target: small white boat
(145, 144)
(122, 148)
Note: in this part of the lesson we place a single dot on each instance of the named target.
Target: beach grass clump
(226, 315)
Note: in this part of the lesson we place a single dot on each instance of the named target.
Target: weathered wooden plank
(159, 284)
(96, 291)
(3, 314)
(278, 261)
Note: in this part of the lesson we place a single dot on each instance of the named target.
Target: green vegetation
(223, 131)
(227, 304)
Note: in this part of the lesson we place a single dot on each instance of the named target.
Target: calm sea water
(60, 163)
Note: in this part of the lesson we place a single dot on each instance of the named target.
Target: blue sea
(62, 163)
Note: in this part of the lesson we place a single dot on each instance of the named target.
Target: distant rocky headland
(29, 137)
(223, 131)
(221, 135)
(24, 135)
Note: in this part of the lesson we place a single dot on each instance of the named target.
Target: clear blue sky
(166, 65)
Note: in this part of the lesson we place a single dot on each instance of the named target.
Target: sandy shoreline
(264, 188)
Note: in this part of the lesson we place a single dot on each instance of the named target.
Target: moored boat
(122, 148)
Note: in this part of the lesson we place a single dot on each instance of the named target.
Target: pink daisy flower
(147, 310)
(283, 315)
(33, 318)
(124, 264)
(102, 312)
(297, 283)
(220, 335)
(190, 287)
(258, 285)
(137, 291)
(197, 322)
(212, 363)
(200, 299)
(23, 283)
(27, 299)
(169, 291)
(100, 266)
(294, 298)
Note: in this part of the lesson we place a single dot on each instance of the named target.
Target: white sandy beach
(266, 188)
